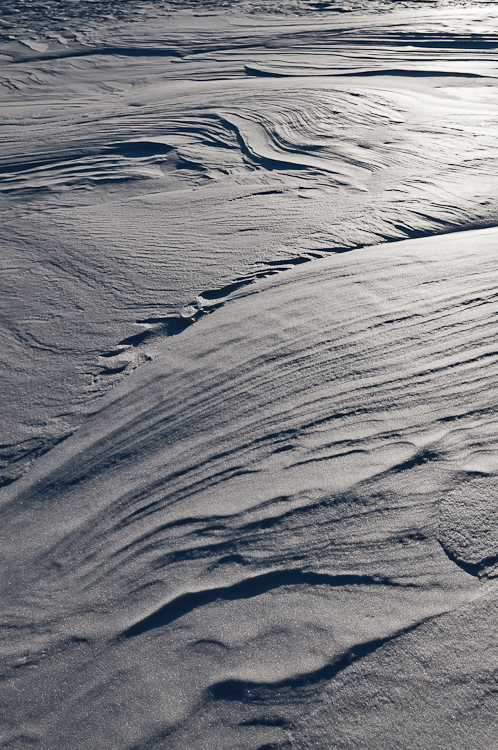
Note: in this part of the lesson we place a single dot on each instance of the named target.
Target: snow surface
(249, 371)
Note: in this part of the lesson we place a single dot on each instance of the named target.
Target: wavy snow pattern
(256, 527)
(278, 531)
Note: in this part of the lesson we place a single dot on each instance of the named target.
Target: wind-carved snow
(231, 534)
(278, 531)
(95, 187)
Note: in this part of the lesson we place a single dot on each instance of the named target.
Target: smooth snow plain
(249, 373)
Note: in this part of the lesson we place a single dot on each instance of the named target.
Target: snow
(249, 373)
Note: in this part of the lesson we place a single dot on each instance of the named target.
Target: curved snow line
(286, 72)
(248, 588)
(247, 691)
(210, 300)
(90, 52)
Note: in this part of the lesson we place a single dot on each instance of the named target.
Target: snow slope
(249, 478)
(281, 531)
(144, 162)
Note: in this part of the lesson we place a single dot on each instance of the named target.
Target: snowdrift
(248, 461)
(280, 532)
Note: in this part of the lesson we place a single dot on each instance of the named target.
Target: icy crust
(252, 542)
